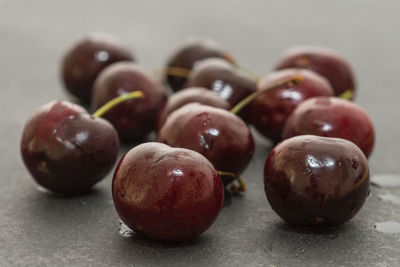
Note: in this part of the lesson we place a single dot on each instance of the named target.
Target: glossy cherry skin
(332, 117)
(313, 181)
(222, 137)
(66, 150)
(168, 194)
(86, 58)
(191, 95)
(269, 111)
(189, 53)
(221, 76)
(136, 118)
(324, 61)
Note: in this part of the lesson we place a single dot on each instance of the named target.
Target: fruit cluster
(172, 190)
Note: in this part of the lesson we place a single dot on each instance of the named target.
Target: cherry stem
(348, 95)
(296, 79)
(235, 188)
(116, 101)
(254, 76)
(172, 71)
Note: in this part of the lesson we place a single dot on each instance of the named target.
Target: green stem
(348, 95)
(296, 79)
(235, 188)
(116, 101)
(228, 174)
(242, 184)
(254, 76)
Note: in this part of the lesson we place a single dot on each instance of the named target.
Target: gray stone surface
(37, 229)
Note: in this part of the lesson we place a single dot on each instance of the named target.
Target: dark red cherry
(332, 117)
(66, 150)
(86, 58)
(269, 111)
(221, 76)
(189, 53)
(313, 181)
(220, 136)
(133, 119)
(168, 194)
(191, 95)
(324, 61)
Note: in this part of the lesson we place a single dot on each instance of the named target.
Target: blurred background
(35, 34)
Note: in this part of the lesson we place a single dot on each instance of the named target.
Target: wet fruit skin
(313, 181)
(220, 76)
(67, 150)
(324, 61)
(332, 117)
(136, 118)
(269, 111)
(189, 53)
(86, 58)
(168, 194)
(222, 137)
(191, 95)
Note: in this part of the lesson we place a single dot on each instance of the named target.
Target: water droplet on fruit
(386, 180)
(213, 131)
(326, 127)
(205, 122)
(102, 56)
(313, 162)
(205, 141)
(292, 95)
(177, 172)
(81, 137)
(389, 227)
(224, 90)
(124, 230)
(122, 91)
(389, 198)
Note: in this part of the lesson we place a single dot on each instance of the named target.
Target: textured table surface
(37, 229)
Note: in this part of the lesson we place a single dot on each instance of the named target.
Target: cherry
(190, 95)
(324, 61)
(313, 181)
(187, 54)
(66, 150)
(332, 117)
(269, 111)
(86, 58)
(222, 77)
(219, 135)
(133, 120)
(168, 194)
